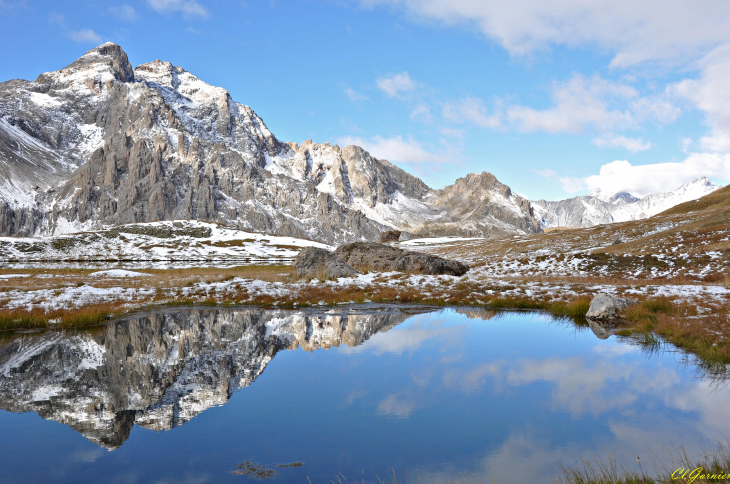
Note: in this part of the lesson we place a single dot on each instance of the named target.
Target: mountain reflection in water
(160, 369)
(437, 391)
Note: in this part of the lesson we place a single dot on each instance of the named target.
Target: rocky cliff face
(162, 369)
(100, 143)
(603, 208)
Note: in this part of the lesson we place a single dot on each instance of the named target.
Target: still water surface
(186, 395)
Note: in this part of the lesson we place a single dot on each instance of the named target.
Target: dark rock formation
(370, 256)
(390, 236)
(313, 262)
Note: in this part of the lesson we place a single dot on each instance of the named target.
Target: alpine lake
(373, 393)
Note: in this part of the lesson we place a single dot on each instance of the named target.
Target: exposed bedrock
(370, 256)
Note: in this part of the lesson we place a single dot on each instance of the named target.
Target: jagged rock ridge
(99, 143)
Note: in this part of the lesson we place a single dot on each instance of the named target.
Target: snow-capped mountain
(601, 208)
(99, 143)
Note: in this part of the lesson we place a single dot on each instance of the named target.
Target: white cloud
(669, 30)
(354, 95)
(471, 110)
(568, 184)
(546, 173)
(578, 103)
(394, 149)
(190, 8)
(421, 113)
(85, 35)
(124, 12)
(684, 144)
(711, 94)
(396, 85)
(642, 180)
(669, 33)
(633, 145)
(56, 19)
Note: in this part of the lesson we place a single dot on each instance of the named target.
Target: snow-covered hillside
(601, 208)
(182, 240)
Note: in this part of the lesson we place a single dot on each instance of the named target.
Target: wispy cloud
(568, 184)
(354, 95)
(579, 103)
(665, 30)
(80, 36)
(395, 149)
(124, 12)
(633, 145)
(189, 8)
(85, 36)
(396, 85)
(472, 110)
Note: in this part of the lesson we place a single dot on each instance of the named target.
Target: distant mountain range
(602, 208)
(100, 143)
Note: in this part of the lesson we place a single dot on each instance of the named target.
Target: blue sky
(555, 97)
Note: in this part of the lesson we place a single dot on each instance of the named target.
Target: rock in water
(607, 308)
(380, 257)
(390, 236)
(313, 262)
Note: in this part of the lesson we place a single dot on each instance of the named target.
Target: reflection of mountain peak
(161, 369)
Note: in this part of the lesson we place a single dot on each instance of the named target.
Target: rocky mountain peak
(622, 197)
(164, 74)
(107, 57)
(91, 73)
(476, 186)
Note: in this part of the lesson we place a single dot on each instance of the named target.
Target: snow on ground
(437, 241)
(119, 273)
(74, 297)
(158, 241)
(5, 277)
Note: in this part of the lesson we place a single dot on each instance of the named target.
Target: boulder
(390, 236)
(370, 256)
(313, 262)
(605, 307)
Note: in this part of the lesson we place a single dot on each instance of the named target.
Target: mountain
(161, 369)
(601, 208)
(99, 143)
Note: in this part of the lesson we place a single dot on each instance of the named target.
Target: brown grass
(37, 318)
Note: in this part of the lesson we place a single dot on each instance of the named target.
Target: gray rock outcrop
(605, 307)
(313, 262)
(370, 256)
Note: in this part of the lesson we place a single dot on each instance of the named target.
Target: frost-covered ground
(169, 262)
(475, 289)
(180, 241)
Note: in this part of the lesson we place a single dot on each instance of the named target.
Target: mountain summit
(99, 143)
